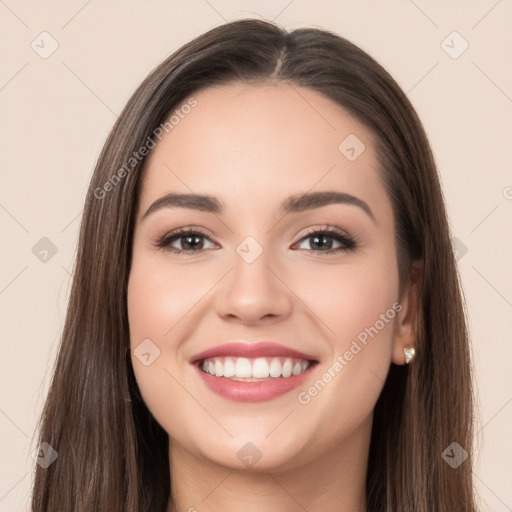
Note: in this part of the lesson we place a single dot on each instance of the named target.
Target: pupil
(323, 238)
(187, 241)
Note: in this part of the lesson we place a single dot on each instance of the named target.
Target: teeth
(242, 368)
(275, 368)
(229, 367)
(219, 369)
(287, 368)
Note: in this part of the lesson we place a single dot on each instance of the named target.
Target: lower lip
(241, 391)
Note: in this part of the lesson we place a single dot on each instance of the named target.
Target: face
(318, 277)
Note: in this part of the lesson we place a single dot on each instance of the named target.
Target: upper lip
(250, 350)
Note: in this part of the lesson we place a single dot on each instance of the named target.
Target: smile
(252, 372)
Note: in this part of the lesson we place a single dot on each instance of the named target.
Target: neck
(332, 482)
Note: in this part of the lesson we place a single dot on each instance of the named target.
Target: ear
(407, 320)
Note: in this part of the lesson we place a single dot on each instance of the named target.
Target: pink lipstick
(252, 372)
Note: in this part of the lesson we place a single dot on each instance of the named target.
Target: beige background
(56, 113)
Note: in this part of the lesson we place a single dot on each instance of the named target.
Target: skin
(252, 146)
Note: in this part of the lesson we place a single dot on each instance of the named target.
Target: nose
(254, 292)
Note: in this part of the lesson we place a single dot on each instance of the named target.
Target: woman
(215, 356)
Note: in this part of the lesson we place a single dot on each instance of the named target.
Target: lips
(260, 371)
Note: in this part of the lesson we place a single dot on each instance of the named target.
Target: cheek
(154, 307)
(358, 310)
(149, 302)
(158, 298)
(353, 298)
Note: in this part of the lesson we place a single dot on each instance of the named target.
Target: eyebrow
(293, 204)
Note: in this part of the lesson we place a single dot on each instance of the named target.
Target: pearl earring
(409, 354)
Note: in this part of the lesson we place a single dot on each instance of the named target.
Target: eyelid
(327, 228)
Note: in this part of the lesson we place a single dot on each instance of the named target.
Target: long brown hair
(112, 454)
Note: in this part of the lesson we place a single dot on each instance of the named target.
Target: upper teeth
(259, 368)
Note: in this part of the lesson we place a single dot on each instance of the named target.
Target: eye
(326, 237)
(191, 240)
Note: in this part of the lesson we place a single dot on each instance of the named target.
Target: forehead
(260, 141)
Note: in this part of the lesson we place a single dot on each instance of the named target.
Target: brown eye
(190, 241)
(322, 241)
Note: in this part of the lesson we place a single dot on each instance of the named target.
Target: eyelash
(348, 242)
